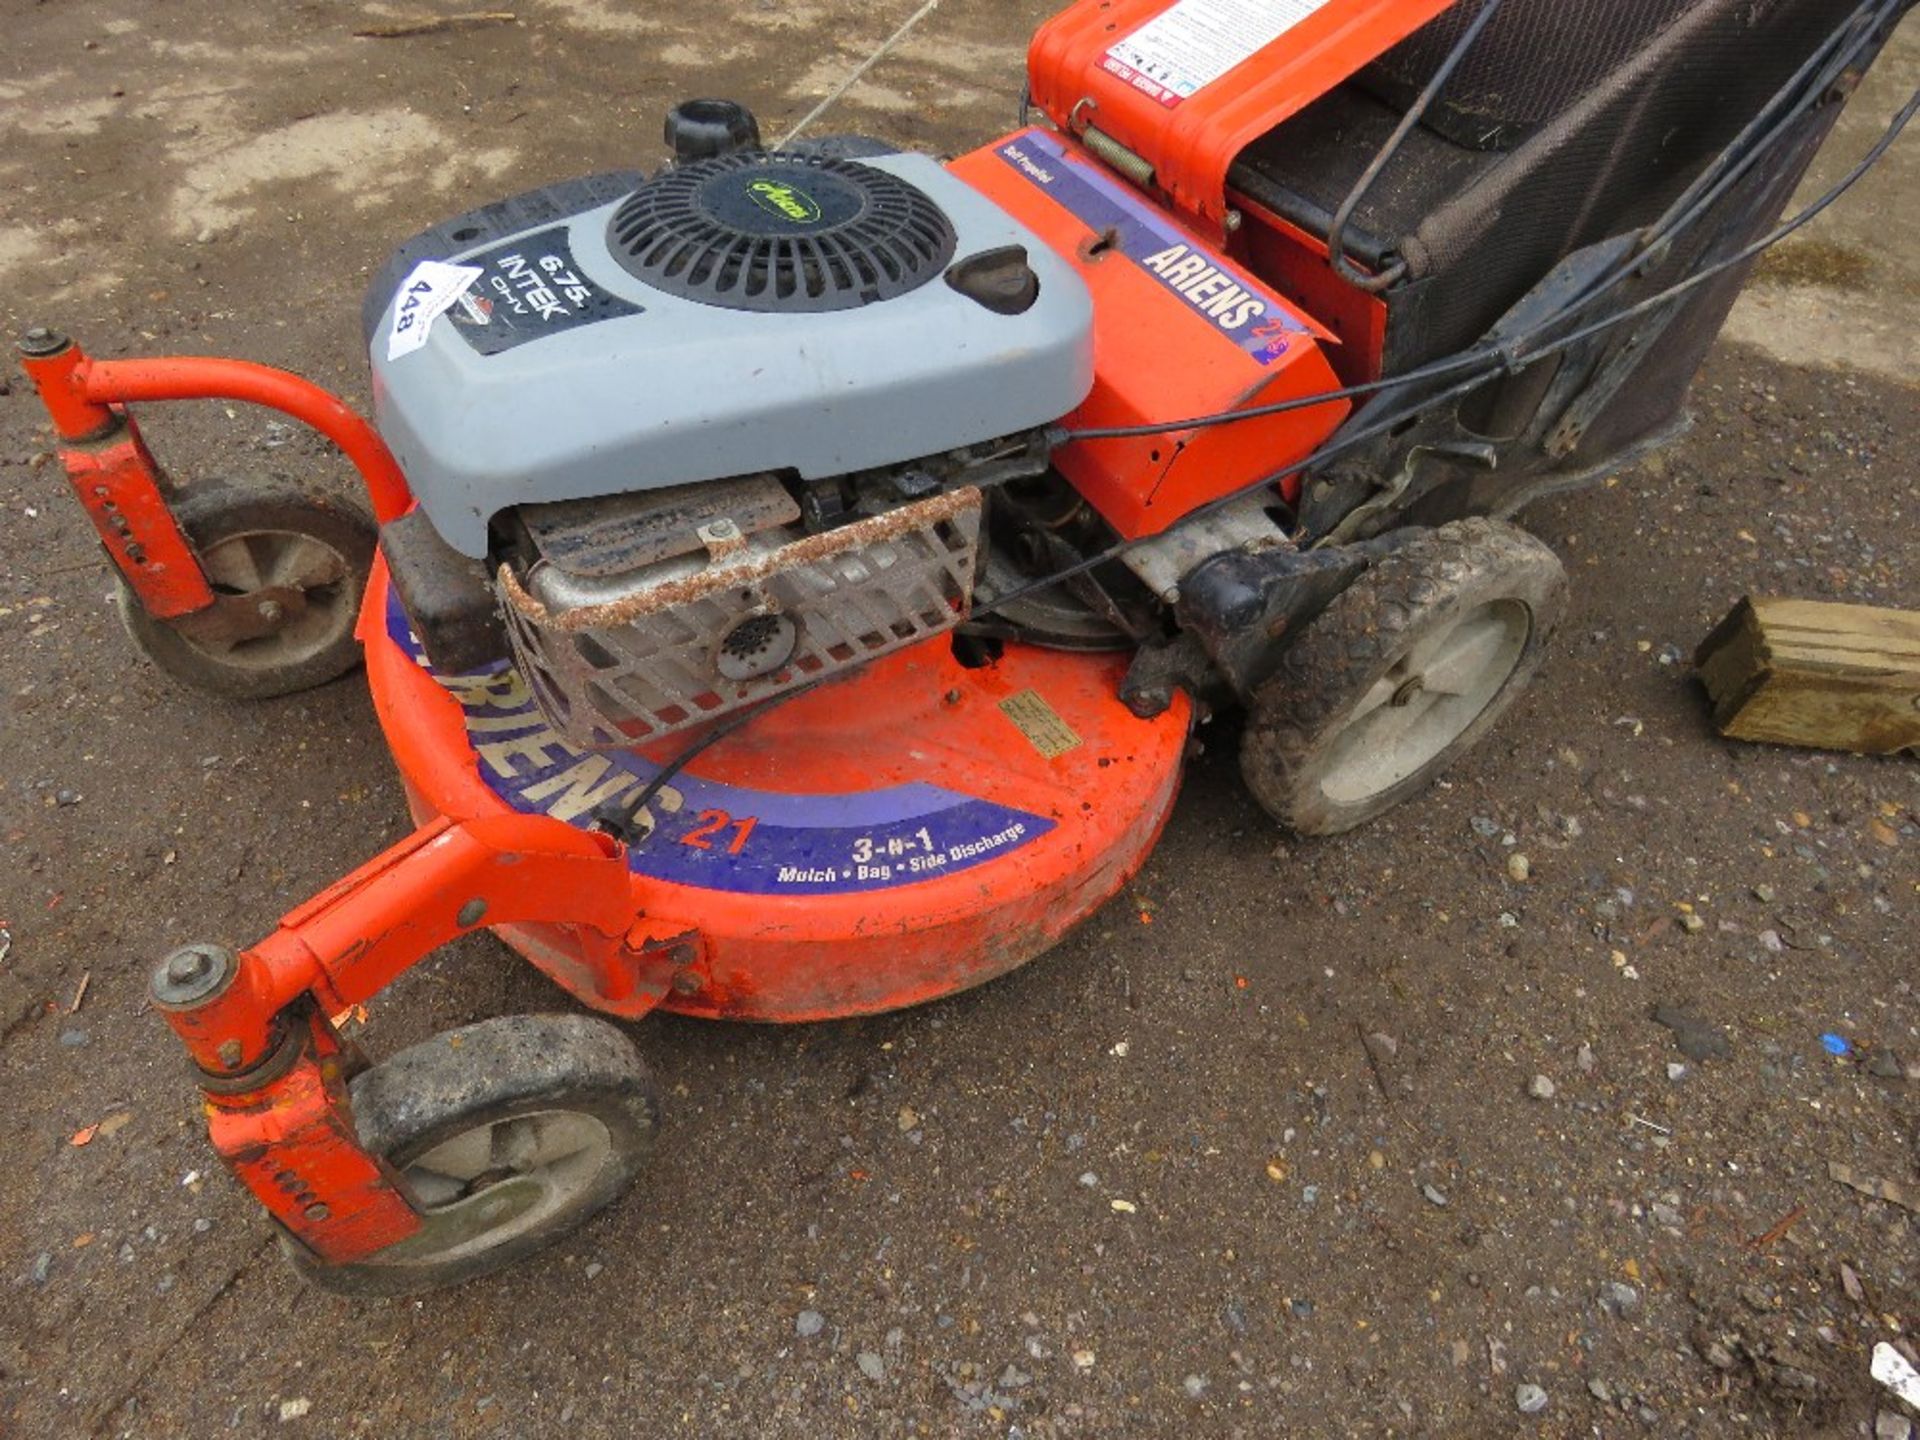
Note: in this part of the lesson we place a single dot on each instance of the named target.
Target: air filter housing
(786, 233)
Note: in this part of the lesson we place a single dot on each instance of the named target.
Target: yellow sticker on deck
(1040, 723)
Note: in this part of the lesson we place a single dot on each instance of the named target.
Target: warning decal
(717, 836)
(1183, 50)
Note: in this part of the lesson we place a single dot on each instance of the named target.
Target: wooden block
(1805, 672)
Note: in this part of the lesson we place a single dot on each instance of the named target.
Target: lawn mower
(793, 576)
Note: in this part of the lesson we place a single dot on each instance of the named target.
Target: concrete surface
(1330, 1236)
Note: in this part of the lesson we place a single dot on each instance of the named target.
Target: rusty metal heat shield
(621, 660)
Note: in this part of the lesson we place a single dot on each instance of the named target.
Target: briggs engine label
(528, 288)
(1231, 302)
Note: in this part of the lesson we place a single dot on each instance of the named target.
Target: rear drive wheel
(506, 1135)
(1402, 673)
(288, 570)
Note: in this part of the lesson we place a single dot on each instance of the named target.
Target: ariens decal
(716, 836)
(1235, 304)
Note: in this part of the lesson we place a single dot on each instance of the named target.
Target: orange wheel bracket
(273, 1068)
(117, 480)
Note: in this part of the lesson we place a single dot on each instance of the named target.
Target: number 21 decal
(711, 823)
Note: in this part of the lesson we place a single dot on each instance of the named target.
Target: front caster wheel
(1404, 671)
(506, 1135)
(287, 569)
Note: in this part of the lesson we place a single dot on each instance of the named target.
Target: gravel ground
(1371, 1136)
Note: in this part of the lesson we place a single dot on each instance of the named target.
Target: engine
(701, 438)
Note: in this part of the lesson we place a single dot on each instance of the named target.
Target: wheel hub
(1426, 699)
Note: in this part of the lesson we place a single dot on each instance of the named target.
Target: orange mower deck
(911, 830)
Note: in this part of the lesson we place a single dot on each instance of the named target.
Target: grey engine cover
(625, 387)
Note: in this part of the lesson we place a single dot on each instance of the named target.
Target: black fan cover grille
(753, 231)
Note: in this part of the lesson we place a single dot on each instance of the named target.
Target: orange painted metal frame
(115, 480)
(1192, 144)
(120, 485)
(290, 1137)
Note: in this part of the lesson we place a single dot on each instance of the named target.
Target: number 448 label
(429, 289)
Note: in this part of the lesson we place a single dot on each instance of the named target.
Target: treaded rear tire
(1291, 747)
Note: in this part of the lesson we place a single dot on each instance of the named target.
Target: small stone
(1883, 1064)
(67, 797)
(1376, 1161)
(1665, 1214)
(1541, 1088)
(871, 1365)
(909, 1119)
(1619, 1297)
(294, 1409)
(1529, 1399)
(1435, 1196)
(73, 1039)
(1519, 868)
(1195, 1386)
(1083, 1359)
(809, 1323)
(42, 1267)
(1583, 1058)
(1013, 1377)
(1676, 1071)
(1850, 1283)
(1483, 827)
(1718, 1356)
(1600, 1391)
(1692, 923)
(1764, 894)
(594, 1267)
(1089, 1180)
(1892, 1425)
(1693, 1037)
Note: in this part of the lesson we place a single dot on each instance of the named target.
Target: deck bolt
(230, 1054)
(272, 611)
(185, 967)
(192, 975)
(40, 342)
(685, 982)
